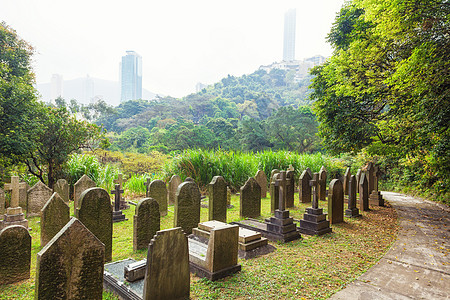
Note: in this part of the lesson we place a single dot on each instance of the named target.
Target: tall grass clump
(135, 184)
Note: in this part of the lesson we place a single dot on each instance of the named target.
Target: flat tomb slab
(246, 235)
(114, 281)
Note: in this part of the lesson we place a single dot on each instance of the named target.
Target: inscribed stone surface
(15, 251)
(261, 178)
(250, 199)
(304, 187)
(38, 195)
(62, 188)
(174, 182)
(54, 215)
(358, 177)
(217, 192)
(290, 189)
(363, 193)
(274, 193)
(23, 194)
(146, 223)
(335, 202)
(322, 183)
(79, 187)
(95, 213)
(158, 191)
(346, 180)
(187, 206)
(70, 266)
(167, 275)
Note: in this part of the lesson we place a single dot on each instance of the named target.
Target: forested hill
(257, 96)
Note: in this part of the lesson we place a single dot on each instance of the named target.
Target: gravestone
(15, 251)
(187, 206)
(228, 197)
(167, 275)
(217, 189)
(2, 203)
(79, 187)
(261, 179)
(54, 215)
(363, 193)
(38, 195)
(62, 188)
(174, 182)
(314, 220)
(346, 180)
(117, 216)
(310, 172)
(274, 193)
(121, 181)
(218, 257)
(146, 223)
(70, 266)
(322, 184)
(304, 187)
(250, 199)
(23, 194)
(335, 202)
(290, 168)
(273, 172)
(352, 211)
(147, 184)
(375, 197)
(358, 177)
(158, 191)
(370, 179)
(290, 190)
(14, 214)
(95, 213)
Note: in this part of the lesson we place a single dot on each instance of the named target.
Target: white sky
(181, 42)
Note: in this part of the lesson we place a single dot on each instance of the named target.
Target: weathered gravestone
(62, 188)
(217, 189)
(174, 182)
(250, 199)
(363, 193)
(322, 184)
(38, 195)
(2, 203)
(358, 177)
(352, 211)
(158, 191)
(335, 202)
(290, 189)
(310, 172)
(187, 206)
(304, 187)
(79, 187)
(54, 215)
(375, 197)
(146, 223)
(70, 266)
(346, 179)
(15, 253)
(274, 193)
(121, 181)
(261, 179)
(228, 197)
(14, 214)
(23, 194)
(117, 216)
(95, 213)
(167, 275)
(273, 172)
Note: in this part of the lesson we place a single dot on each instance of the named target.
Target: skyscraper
(289, 35)
(131, 76)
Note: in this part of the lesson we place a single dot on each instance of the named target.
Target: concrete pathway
(418, 264)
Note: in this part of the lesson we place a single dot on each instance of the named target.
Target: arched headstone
(250, 199)
(146, 223)
(187, 206)
(217, 192)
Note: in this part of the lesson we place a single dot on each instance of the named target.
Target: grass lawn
(309, 268)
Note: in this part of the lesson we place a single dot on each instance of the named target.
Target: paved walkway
(418, 264)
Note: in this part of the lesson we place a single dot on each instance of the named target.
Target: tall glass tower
(289, 35)
(131, 76)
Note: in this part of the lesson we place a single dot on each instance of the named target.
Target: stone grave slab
(121, 181)
(62, 188)
(118, 215)
(187, 206)
(352, 211)
(14, 214)
(261, 179)
(274, 193)
(217, 192)
(322, 184)
(250, 199)
(79, 187)
(38, 195)
(336, 202)
(158, 191)
(15, 251)
(146, 222)
(363, 193)
(304, 187)
(174, 182)
(54, 216)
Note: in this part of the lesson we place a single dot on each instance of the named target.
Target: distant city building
(316, 60)
(88, 89)
(131, 76)
(289, 35)
(56, 86)
(199, 86)
(301, 67)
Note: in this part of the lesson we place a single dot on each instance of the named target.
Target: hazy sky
(181, 42)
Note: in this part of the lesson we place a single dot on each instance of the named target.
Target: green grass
(309, 268)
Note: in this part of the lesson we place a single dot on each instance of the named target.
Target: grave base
(114, 281)
(352, 213)
(118, 216)
(314, 222)
(16, 219)
(376, 199)
(256, 225)
(213, 276)
(249, 254)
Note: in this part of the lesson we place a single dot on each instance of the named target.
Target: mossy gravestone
(261, 178)
(95, 213)
(54, 215)
(217, 206)
(15, 254)
(363, 193)
(274, 193)
(336, 202)
(70, 266)
(79, 187)
(146, 223)
(250, 199)
(167, 274)
(38, 195)
(346, 180)
(187, 206)
(322, 184)
(174, 182)
(290, 189)
(62, 188)
(158, 191)
(304, 187)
